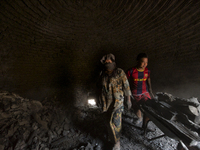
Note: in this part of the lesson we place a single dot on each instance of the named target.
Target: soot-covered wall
(52, 48)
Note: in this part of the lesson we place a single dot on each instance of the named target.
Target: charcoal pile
(178, 118)
(190, 107)
(29, 124)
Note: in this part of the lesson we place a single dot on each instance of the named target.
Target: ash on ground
(27, 124)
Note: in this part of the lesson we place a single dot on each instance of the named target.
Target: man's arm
(127, 90)
(149, 87)
(128, 102)
(128, 74)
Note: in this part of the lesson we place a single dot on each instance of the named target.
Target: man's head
(142, 61)
(108, 58)
(109, 62)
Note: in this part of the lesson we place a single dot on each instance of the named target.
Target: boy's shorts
(140, 99)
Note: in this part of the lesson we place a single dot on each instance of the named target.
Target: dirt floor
(132, 137)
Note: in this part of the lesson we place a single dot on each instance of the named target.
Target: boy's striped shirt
(138, 80)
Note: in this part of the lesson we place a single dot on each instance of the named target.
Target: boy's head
(142, 61)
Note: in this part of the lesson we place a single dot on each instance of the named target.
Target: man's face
(108, 61)
(142, 64)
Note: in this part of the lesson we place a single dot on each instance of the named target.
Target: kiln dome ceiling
(48, 46)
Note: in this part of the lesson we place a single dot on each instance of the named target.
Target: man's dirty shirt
(114, 88)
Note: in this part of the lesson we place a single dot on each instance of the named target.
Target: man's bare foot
(116, 146)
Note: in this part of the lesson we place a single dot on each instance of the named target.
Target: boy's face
(142, 64)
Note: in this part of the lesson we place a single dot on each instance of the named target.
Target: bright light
(91, 102)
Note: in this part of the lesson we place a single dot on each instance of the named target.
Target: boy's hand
(151, 93)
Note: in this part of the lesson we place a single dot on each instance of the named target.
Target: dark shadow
(91, 122)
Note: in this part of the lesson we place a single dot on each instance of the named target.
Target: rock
(35, 106)
(3, 93)
(39, 121)
(2, 147)
(54, 134)
(194, 100)
(16, 113)
(8, 98)
(45, 139)
(162, 96)
(20, 145)
(197, 120)
(23, 122)
(89, 147)
(67, 120)
(82, 148)
(42, 145)
(14, 106)
(65, 133)
(24, 106)
(32, 135)
(98, 147)
(26, 135)
(50, 136)
(1, 106)
(10, 148)
(6, 107)
(59, 141)
(59, 131)
(66, 126)
(35, 126)
(12, 130)
(4, 115)
(193, 110)
(34, 140)
(55, 148)
(53, 124)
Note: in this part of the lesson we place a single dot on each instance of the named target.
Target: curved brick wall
(52, 48)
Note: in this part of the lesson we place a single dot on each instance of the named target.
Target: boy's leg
(145, 121)
(139, 114)
(145, 97)
(142, 117)
(135, 105)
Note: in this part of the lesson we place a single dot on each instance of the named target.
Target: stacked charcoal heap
(178, 118)
(29, 124)
(190, 107)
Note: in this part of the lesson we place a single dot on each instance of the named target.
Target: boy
(140, 83)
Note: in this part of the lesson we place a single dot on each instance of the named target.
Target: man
(114, 85)
(139, 77)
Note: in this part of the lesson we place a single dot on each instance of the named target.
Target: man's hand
(128, 102)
